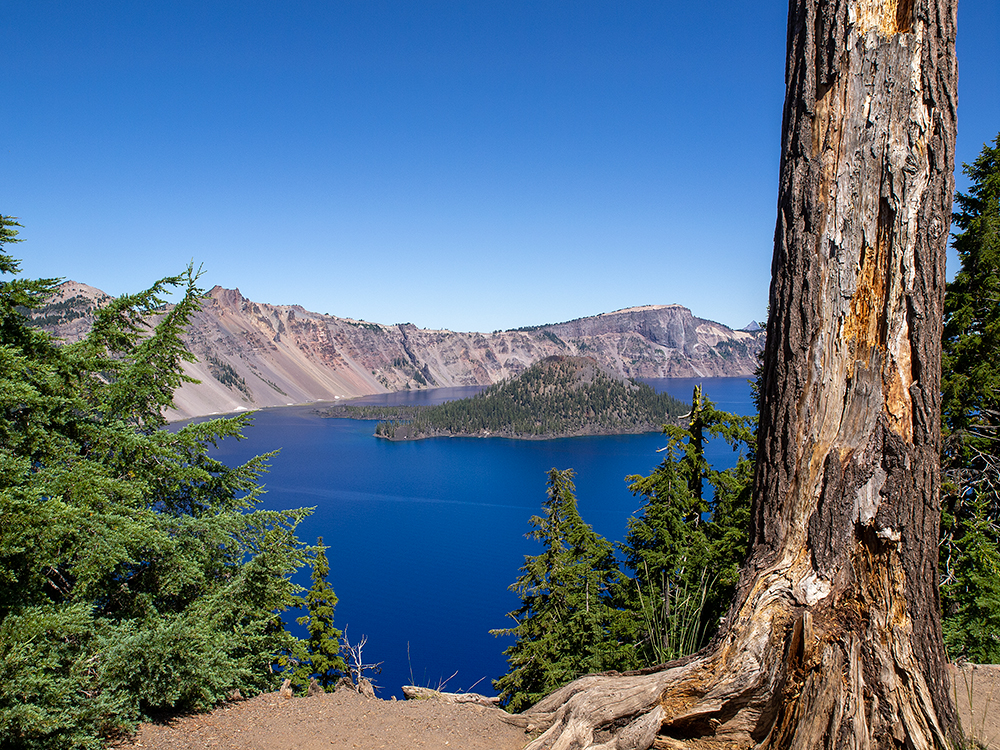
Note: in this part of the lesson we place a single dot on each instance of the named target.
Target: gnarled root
(571, 715)
(783, 682)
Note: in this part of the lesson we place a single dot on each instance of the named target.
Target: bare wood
(834, 638)
(414, 692)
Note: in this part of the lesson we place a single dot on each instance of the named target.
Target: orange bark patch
(678, 701)
(887, 17)
(865, 326)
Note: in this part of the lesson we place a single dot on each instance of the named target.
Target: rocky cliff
(253, 354)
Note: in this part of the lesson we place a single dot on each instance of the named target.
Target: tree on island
(834, 636)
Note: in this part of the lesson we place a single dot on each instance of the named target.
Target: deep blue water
(426, 536)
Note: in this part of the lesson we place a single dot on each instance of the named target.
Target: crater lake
(426, 536)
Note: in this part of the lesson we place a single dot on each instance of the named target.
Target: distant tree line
(227, 375)
(63, 311)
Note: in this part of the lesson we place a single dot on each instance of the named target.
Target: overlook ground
(342, 719)
(347, 721)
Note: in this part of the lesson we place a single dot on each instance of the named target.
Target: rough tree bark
(834, 638)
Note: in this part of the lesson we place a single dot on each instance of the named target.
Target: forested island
(560, 396)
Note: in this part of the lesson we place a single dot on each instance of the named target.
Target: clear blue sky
(468, 165)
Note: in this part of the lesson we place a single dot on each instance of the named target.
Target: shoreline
(480, 436)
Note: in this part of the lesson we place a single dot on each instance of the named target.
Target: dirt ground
(334, 721)
(345, 720)
(977, 697)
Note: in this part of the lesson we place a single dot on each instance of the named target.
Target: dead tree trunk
(834, 639)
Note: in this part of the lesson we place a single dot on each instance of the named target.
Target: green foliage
(555, 339)
(971, 589)
(63, 311)
(685, 551)
(970, 545)
(411, 370)
(136, 576)
(319, 655)
(565, 624)
(669, 623)
(971, 380)
(374, 327)
(557, 396)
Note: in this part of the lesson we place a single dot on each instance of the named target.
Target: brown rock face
(252, 355)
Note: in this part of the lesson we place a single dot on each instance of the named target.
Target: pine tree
(683, 550)
(565, 619)
(321, 650)
(665, 548)
(970, 549)
(136, 575)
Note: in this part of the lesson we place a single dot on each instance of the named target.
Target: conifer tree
(136, 575)
(970, 549)
(565, 620)
(683, 550)
(321, 650)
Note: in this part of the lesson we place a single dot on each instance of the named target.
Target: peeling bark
(834, 638)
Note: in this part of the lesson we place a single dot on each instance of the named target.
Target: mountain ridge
(253, 355)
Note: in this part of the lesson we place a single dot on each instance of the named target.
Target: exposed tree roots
(783, 682)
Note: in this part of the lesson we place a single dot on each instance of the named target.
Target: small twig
(441, 683)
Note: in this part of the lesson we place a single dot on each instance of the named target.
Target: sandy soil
(348, 721)
(977, 697)
(342, 719)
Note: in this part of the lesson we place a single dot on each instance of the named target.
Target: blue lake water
(426, 536)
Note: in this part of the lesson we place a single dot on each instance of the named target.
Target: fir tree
(565, 622)
(970, 548)
(321, 650)
(685, 551)
(136, 575)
